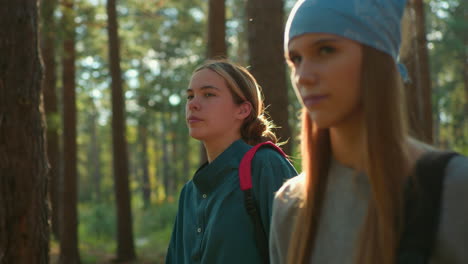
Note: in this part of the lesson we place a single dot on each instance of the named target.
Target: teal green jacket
(212, 225)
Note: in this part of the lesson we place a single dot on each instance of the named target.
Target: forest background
(115, 75)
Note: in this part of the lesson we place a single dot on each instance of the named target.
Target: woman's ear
(244, 110)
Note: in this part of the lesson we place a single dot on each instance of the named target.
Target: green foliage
(447, 25)
(97, 222)
(157, 217)
(153, 229)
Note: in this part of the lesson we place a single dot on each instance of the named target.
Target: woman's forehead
(206, 79)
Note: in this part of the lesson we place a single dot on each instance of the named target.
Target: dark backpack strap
(245, 179)
(423, 195)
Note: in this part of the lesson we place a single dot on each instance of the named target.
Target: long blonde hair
(386, 164)
(243, 86)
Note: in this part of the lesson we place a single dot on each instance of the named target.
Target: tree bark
(166, 175)
(465, 79)
(216, 29)
(24, 235)
(464, 9)
(125, 242)
(414, 55)
(265, 39)
(95, 151)
(69, 253)
(145, 180)
(49, 27)
(242, 54)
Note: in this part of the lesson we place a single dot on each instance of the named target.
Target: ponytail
(258, 129)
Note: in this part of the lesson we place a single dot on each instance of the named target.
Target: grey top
(344, 209)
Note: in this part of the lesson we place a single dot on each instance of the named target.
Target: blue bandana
(375, 23)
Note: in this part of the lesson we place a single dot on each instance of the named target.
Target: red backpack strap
(245, 167)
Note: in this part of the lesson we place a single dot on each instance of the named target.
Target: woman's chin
(197, 136)
(319, 120)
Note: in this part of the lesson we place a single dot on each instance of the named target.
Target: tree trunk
(24, 235)
(464, 9)
(177, 156)
(186, 173)
(146, 184)
(165, 157)
(95, 151)
(265, 39)
(415, 56)
(69, 220)
(49, 28)
(241, 54)
(465, 79)
(156, 139)
(216, 29)
(125, 243)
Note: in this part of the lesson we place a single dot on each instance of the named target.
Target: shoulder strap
(423, 195)
(245, 167)
(245, 179)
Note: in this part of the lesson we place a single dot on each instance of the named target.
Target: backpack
(245, 179)
(423, 195)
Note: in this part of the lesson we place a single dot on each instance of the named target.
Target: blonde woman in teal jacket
(225, 111)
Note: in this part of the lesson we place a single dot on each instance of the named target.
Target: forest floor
(96, 256)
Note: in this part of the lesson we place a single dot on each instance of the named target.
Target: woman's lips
(193, 119)
(313, 100)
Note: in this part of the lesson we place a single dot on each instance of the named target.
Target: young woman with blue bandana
(349, 204)
(225, 111)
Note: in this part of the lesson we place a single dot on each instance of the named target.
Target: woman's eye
(295, 60)
(189, 97)
(325, 50)
(208, 94)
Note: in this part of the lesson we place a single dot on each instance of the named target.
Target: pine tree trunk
(157, 146)
(424, 69)
(95, 152)
(24, 232)
(465, 81)
(464, 9)
(69, 219)
(125, 242)
(176, 154)
(265, 39)
(145, 180)
(49, 28)
(414, 55)
(242, 54)
(216, 29)
(165, 157)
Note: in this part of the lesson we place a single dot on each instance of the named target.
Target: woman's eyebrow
(204, 87)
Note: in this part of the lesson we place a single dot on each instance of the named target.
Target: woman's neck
(347, 142)
(214, 147)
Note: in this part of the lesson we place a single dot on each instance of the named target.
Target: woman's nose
(193, 104)
(306, 74)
